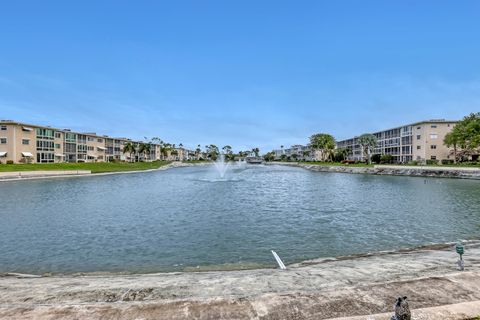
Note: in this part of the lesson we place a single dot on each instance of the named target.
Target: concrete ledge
(41, 173)
(459, 311)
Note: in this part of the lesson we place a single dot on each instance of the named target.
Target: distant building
(419, 141)
(296, 152)
(27, 143)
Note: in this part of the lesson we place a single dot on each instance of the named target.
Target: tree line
(465, 138)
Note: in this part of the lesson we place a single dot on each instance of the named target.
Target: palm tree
(323, 142)
(341, 154)
(157, 141)
(130, 148)
(144, 148)
(305, 154)
(369, 143)
(164, 149)
(198, 151)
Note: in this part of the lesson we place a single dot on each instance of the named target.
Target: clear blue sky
(244, 73)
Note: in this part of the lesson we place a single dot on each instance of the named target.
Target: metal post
(460, 250)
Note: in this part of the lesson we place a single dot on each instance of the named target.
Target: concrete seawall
(420, 171)
(363, 287)
(16, 175)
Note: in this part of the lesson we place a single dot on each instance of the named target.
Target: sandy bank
(317, 289)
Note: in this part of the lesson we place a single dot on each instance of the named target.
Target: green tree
(227, 149)
(386, 158)
(212, 152)
(198, 152)
(452, 139)
(130, 148)
(269, 156)
(341, 154)
(144, 148)
(465, 135)
(368, 142)
(305, 154)
(323, 142)
(256, 151)
(164, 149)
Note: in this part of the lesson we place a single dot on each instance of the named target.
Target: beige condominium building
(27, 143)
(419, 141)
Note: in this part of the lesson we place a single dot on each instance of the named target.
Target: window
(25, 141)
(433, 136)
(433, 126)
(419, 147)
(418, 128)
(90, 148)
(45, 134)
(43, 145)
(100, 140)
(433, 157)
(58, 135)
(82, 148)
(418, 137)
(70, 137)
(57, 145)
(70, 148)
(45, 157)
(3, 128)
(433, 146)
(3, 140)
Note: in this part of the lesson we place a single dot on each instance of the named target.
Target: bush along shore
(399, 170)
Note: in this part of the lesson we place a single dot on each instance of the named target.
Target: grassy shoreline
(94, 167)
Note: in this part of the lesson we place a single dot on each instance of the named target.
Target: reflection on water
(186, 219)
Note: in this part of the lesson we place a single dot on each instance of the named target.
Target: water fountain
(221, 165)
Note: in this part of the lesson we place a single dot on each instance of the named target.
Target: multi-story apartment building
(419, 141)
(297, 152)
(26, 143)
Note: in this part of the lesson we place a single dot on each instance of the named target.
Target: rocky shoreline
(329, 288)
(415, 171)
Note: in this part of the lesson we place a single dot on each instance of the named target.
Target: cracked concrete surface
(357, 285)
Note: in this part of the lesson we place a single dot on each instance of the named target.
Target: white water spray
(221, 165)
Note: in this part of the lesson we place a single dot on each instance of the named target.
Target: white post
(279, 261)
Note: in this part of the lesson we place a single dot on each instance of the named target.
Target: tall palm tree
(369, 143)
(198, 151)
(130, 148)
(144, 148)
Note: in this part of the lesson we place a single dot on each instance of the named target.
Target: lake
(188, 219)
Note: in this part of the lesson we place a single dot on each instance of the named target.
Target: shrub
(447, 161)
(376, 158)
(9, 161)
(432, 162)
(413, 163)
(348, 162)
(386, 158)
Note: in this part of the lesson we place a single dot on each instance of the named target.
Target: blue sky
(244, 73)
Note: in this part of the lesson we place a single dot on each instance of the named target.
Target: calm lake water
(183, 218)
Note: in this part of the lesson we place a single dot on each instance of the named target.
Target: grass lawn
(97, 167)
